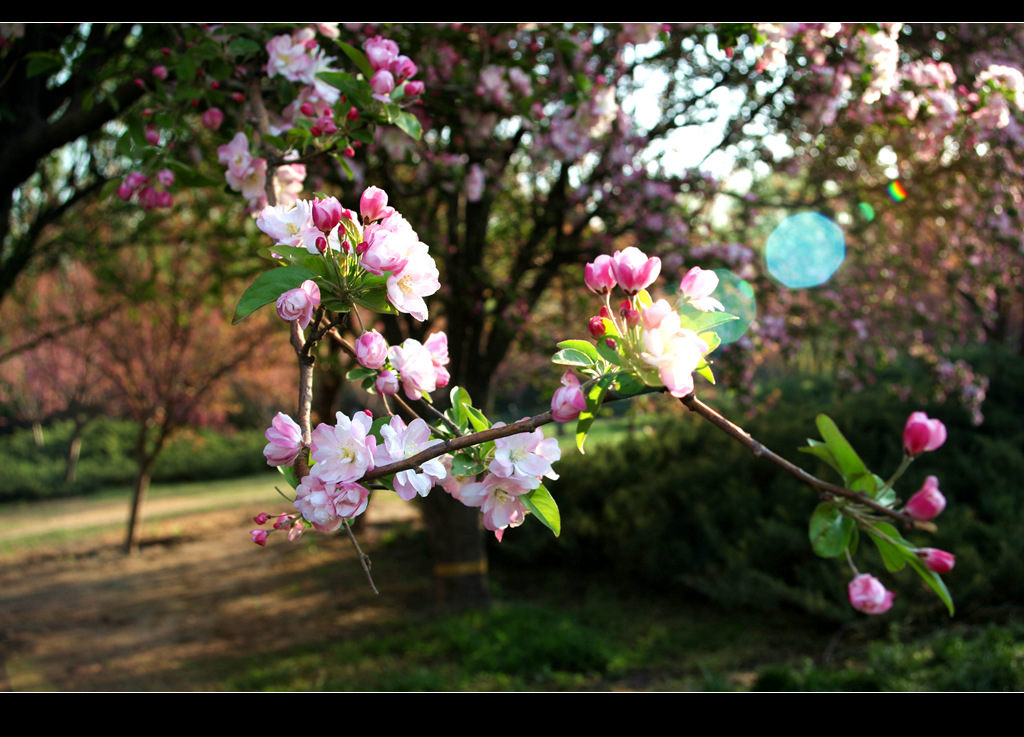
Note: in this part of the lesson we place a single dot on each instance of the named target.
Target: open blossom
(343, 452)
(633, 270)
(568, 401)
(525, 457)
(497, 498)
(928, 502)
(868, 595)
(298, 304)
(326, 503)
(599, 275)
(401, 442)
(415, 367)
(386, 383)
(285, 441)
(437, 345)
(922, 434)
(697, 286)
(671, 349)
(373, 205)
(416, 280)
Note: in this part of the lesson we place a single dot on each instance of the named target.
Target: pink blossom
(343, 452)
(403, 67)
(401, 442)
(599, 275)
(381, 52)
(921, 434)
(326, 504)
(285, 441)
(212, 118)
(568, 401)
(288, 226)
(928, 502)
(383, 84)
(937, 560)
(415, 367)
(697, 286)
(674, 351)
(165, 177)
(261, 518)
(371, 350)
(496, 496)
(526, 457)
(289, 58)
(373, 204)
(416, 280)
(868, 595)
(387, 383)
(327, 213)
(633, 270)
(388, 244)
(298, 304)
(152, 135)
(259, 537)
(160, 72)
(437, 345)
(412, 89)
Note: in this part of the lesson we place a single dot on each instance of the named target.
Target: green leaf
(410, 124)
(830, 530)
(297, 257)
(289, 474)
(460, 400)
(699, 321)
(572, 357)
(893, 556)
(583, 346)
(268, 287)
(477, 419)
(358, 58)
(541, 503)
(377, 300)
(43, 62)
(243, 46)
(609, 354)
(850, 464)
(819, 449)
(464, 465)
(934, 580)
(705, 371)
(358, 374)
(627, 384)
(595, 395)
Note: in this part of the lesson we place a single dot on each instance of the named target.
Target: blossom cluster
(147, 195)
(519, 465)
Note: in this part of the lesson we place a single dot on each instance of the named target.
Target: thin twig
(364, 559)
(823, 488)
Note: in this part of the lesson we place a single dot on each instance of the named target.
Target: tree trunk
(146, 459)
(74, 451)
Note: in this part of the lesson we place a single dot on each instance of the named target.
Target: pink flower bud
(295, 530)
(633, 270)
(387, 382)
(327, 214)
(259, 537)
(414, 89)
(261, 518)
(307, 109)
(599, 276)
(921, 434)
(697, 286)
(373, 204)
(371, 350)
(403, 67)
(596, 326)
(212, 118)
(148, 198)
(349, 152)
(928, 502)
(165, 177)
(610, 342)
(125, 192)
(568, 401)
(284, 442)
(164, 199)
(298, 304)
(160, 72)
(136, 181)
(868, 595)
(937, 560)
(238, 97)
(152, 135)
(283, 521)
(383, 83)
(352, 114)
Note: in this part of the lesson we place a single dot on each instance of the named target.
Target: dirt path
(84, 617)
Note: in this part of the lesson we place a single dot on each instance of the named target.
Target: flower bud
(165, 177)
(598, 275)
(152, 135)
(259, 537)
(326, 214)
(160, 72)
(383, 83)
(307, 109)
(371, 350)
(568, 400)
(596, 327)
(921, 434)
(868, 595)
(937, 560)
(413, 89)
(928, 502)
(387, 382)
(260, 519)
(373, 204)
(212, 118)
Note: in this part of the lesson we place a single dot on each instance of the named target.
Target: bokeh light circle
(737, 297)
(805, 250)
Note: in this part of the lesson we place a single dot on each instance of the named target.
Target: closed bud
(596, 327)
(937, 560)
(928, 502)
